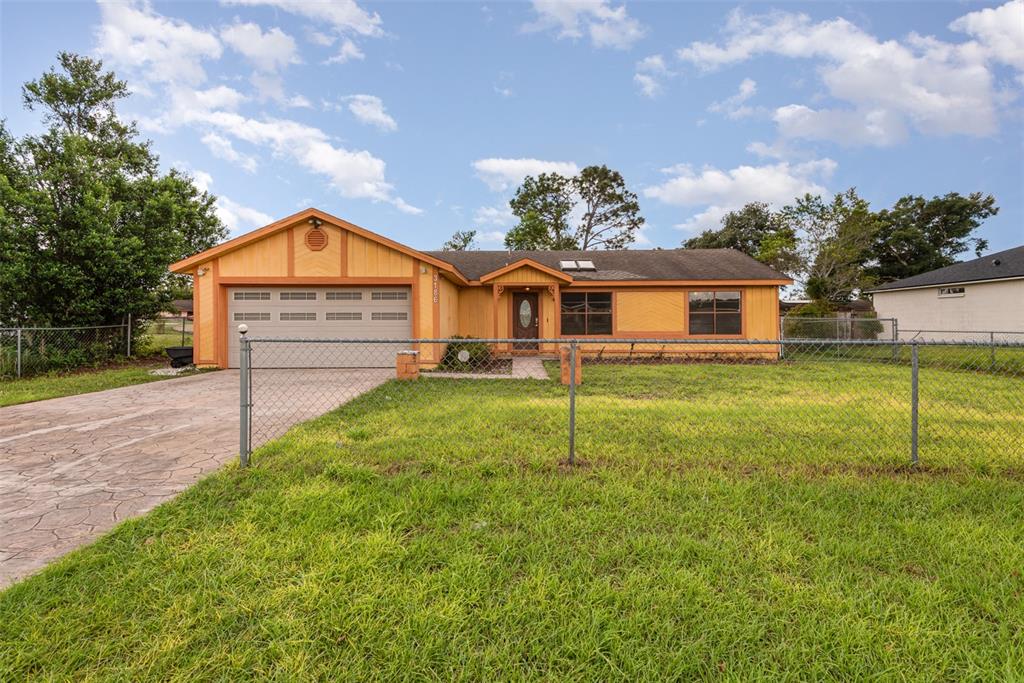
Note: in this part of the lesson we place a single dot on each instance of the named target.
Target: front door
(525, 320)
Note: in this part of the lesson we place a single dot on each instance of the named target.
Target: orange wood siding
(449, 309)
(649, 311)
(424, 314)
(761, 312)
(525, 274)
(265, 258)
(367, 258)
(323, 263)
(206, 319)
(476, 317)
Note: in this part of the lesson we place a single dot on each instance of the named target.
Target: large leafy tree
(917, 234)
(755, 230)
(461, 240)
(835, 239)
(88, 224)
(609, 213)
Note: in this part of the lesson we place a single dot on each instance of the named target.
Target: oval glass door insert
(525, 313)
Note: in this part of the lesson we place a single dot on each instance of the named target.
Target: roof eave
(188, 264)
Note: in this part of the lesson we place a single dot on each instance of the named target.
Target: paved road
(71, 468)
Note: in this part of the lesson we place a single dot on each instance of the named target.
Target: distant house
(314, 275)
(182, 309)
(978, 296)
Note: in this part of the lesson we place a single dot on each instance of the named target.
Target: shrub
(479, 355)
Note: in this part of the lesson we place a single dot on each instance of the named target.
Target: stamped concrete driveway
(71, 468)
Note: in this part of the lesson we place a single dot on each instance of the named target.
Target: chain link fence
(26, 351)
(797, 327)
(852, 402)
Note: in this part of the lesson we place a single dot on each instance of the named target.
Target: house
(980, 296)
(182, 308)
(313, 275)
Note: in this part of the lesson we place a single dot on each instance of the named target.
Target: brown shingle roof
(625, 264)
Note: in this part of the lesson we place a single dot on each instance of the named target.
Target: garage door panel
(320, 313)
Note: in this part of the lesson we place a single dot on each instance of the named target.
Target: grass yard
(727, 522)
(54, 385)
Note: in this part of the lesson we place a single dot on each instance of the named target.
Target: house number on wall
(436, 294)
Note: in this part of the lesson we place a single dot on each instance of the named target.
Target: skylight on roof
(568, 265)
(586, 265)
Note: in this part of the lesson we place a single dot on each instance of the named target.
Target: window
(252, 296)
(389, 296)
(950, 292)
(251, 317)
(715, 313)
(298, 296)
(344, 296)
(344, 315)
(387, 315)
(297, 316)
(586, 313)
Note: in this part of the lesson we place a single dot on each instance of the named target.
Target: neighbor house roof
(625, 264)
(183, 305)
(999, 266)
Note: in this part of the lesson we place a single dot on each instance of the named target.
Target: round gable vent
(316, 239)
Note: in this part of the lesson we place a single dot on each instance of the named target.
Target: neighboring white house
(979, 296)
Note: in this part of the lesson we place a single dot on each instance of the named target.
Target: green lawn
(54, 385)
(726, 522)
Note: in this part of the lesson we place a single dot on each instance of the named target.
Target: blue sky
(419, 119)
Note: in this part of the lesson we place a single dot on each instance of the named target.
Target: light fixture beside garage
(316, 237)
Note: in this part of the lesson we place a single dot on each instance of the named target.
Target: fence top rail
(1021, 332)
(59, 329)
(589, 341)
(839, 319)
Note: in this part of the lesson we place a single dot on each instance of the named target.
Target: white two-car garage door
(320, 313)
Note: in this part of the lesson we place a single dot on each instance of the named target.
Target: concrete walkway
(71, 468)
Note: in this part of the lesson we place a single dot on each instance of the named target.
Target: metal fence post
(129, 342)
(913, 402)
(572, 403)
(244, 395)
(17, 362)
(992, 350)
(895, 340)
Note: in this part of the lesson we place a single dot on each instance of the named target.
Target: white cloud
(369, 109)
(735, 106)
(320, 38)
(346, 53)
(222, 148)
(268, 51)
(344, 16)
(879, 126)
(490, 237)
(998, 30)
(605, 25)
(649, 72)
(494, 215)
(271, 87)
(237, 217)
(921, 82)
(501, 174)
(136, 40)
(721, 191)
(171, 52)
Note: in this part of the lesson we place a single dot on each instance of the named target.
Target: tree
(835, 239)
(542, 205)
(609, 212)
(755, 230)
(917, 234)
(88, 225)
(461, 240)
